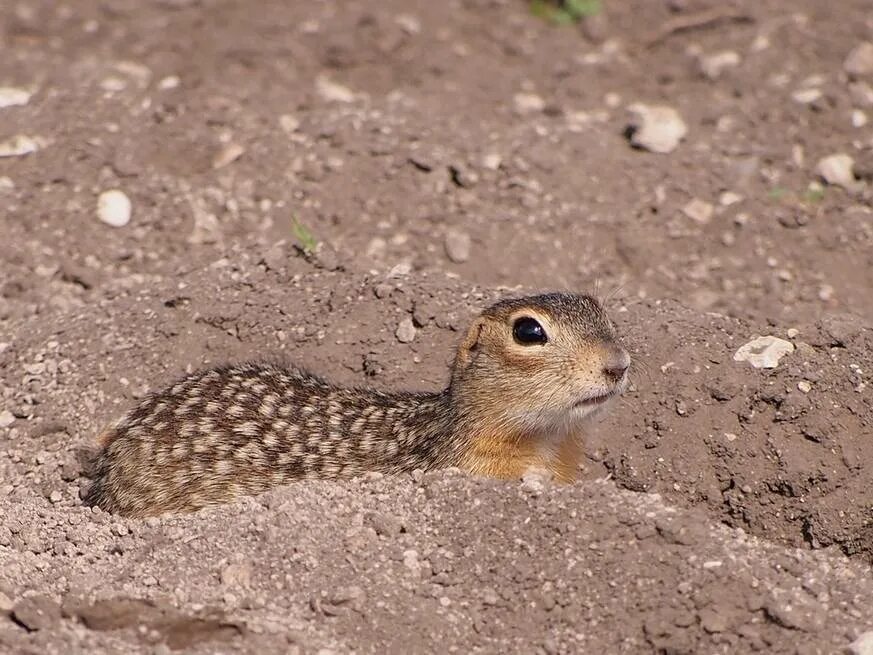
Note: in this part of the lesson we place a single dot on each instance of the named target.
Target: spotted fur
(241, 429)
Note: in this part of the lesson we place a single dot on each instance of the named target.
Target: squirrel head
(540, 363)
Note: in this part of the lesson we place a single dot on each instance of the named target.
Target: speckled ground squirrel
(526, 378)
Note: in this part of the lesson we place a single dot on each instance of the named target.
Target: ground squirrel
(526, 379)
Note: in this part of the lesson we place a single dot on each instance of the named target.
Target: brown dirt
(757, 529)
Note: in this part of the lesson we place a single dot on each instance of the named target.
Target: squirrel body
(526, 380)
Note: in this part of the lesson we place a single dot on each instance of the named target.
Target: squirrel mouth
(593, 401)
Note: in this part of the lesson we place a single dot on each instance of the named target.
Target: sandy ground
(443, 155)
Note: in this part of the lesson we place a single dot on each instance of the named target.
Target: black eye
(527, 331)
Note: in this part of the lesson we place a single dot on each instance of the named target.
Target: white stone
(289, 123)
(698, 210)
(528, 103)
(169, 83)
(491, 161)
(6, 418)
(713, 66)
(859, 62)
(458, 245)
(863, 645)
(227, 155)
(114, 208)
(728, 198)
(764, 352)
(19, 145)
(332, 91)
(657, 128)
(409, 23)
(837, 170)
(405, 331)
(804, 386)
(859, 118)
(13, 97)
(806, 96)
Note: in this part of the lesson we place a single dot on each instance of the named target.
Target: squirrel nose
(616, 364)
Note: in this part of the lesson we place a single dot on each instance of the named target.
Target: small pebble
(13, 97)
(332, 91)
(6, 418)
(528, 103)
(656, 128)
(458, 245)
(18, 146)
(713, 66)
(863, 645)
(169, 83)
(837, 170)
(804, 386)
(728, 198)
(491, 161)
(405, 332)
(859, 118)
(227, 155)
(289, 123)
(114, 208)
(764, 352)
(698, 210)
(806, 96)
(859, 62)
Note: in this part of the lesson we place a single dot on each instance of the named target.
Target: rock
(728, 198)
(859, 118)
(19, 145)
(227, 155)
(698, 210)
(289, 123)
(837, 170)
(804, 386)
(169, 83)
(528, 103)
(491, 161)
(332, 91)
(764, 352)
(713, 66)
(114, 208)
(863, 645)
(6, 418)
(458, 245)
(806, 96)
(656, 128)
(6, 603)
(36, 613)
(12, 97)
(408, 23)
(859, 62)
(405, 332)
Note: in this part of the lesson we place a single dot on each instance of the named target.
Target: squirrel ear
(469, 346)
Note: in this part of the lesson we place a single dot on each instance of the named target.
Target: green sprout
(565, 12)
(306, 241)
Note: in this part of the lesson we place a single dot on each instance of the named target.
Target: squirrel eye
(528, 331)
